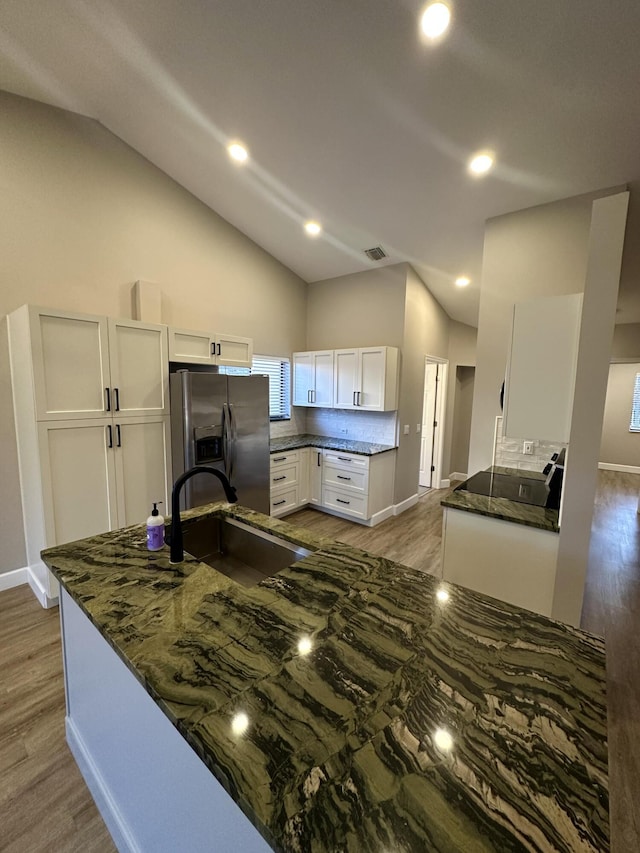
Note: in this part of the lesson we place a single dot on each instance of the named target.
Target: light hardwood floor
(45, 806)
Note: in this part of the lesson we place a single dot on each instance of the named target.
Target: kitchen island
(345, 704)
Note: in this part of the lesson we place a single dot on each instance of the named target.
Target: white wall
(83, 217)
(619, 446)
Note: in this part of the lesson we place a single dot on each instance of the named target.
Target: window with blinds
(279, 372)
(634, 426)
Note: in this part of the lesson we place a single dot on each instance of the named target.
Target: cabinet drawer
(284, 475)
(285, 458)
(346, 478)
(347, 460)
(346, 502)
(284, 501)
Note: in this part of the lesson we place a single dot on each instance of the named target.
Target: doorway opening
(432, 432)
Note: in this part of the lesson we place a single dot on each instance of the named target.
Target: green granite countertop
(503, 508)
(294, 442)
(416, 715)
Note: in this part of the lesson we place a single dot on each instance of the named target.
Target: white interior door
(428, 424)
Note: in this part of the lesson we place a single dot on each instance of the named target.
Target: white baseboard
(16, 577)
(444, 484)
(39, 591)
(377, 517)
(624, 469)
(406, 504)
(457, 475)
(99, 791)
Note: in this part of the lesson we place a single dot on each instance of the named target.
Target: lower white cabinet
(347, 484)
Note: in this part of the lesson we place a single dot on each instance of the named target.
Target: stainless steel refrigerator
(221, 421)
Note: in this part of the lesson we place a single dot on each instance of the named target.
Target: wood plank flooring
(45, 806)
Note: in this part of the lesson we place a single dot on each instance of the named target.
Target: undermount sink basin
(240, 552)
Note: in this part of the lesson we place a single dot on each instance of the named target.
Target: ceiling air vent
(375, 254)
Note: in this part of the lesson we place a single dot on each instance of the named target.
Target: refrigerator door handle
(234, 441)
(226, 440)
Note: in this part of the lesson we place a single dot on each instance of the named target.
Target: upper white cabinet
(366, 378)
(313, 378)
(88, 366)
(194, 347)
(541, 368)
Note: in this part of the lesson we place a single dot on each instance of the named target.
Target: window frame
(634, 420)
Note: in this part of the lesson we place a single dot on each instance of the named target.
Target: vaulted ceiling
(349, 116)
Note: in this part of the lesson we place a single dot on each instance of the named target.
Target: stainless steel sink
(241, 552)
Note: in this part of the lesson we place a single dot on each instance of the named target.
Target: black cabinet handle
(118, 441)
(340, 501)
(276, 479)
(219, 350)
(354, 398)
(340, 477)
(116, 400)
(280, 459)
(345, 459)
(110, 436)
(279, 503)
(359, 401)
(319, 455)
(107, 395)
(213, 349)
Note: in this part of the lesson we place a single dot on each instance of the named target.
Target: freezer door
(198, 429)
(249, 459)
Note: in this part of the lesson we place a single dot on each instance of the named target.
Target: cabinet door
(143, 473)
(78, 478)
(323, 378)
(302, 378)
(315, 476)
(372, 375)
(542, 368)
(70, 364)
(345, 379)
(191, 347)
(139, 368)
(303, 476)
(232, 351)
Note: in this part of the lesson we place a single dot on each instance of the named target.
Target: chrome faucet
(175, 536)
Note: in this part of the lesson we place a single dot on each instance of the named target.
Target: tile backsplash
(296, 426)
(379, 427)
(508, 451)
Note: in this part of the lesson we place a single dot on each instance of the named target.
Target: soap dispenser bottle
(155, 529)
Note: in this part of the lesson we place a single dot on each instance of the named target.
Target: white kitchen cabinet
(541, 368)
(214, 348)
(92, 429)
(86, 366)
(313, 379)
(303, 469)
(315, 476)
(285, 482)
(101, 475)
(366, 379)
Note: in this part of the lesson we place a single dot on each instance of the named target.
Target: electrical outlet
(527, 448)
(406, 429)
(417, 427)
(344, 431)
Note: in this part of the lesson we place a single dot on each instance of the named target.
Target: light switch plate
(527, 448)
(405, 429)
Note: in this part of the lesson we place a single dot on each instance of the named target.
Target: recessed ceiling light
(481, 163)
(463, 281)
(312, 228)
(237, 152)
(435, 20)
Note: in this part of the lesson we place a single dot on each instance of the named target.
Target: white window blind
(279, 372)
(634, 426)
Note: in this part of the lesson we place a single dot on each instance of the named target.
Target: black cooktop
(526, 490)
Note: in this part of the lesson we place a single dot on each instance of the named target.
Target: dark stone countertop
(503, 508)
(426, 717)
(294, 442)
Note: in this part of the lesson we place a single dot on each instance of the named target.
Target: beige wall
(626, 341)
(462, 352)
(618, 445)
(426, 332)
(84, 216)
(461, 431)
(359, 310)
